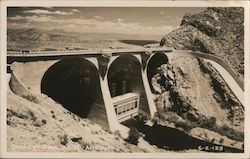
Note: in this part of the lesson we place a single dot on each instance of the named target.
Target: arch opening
(126, 87)
(124, 75)
(154, 63)
(74, 83)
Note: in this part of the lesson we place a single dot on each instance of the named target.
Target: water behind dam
(174, 139)
(139, 42)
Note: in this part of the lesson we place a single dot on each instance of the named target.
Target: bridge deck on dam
(83, 52)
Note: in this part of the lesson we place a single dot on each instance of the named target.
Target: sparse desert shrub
(31, 115)
(221, 140)
(9, 114)
(230, 114)
(104, 139)
(95, 132)
(231, 133)
(224, 130)
(133, 136)
(31, 98)
(172, 117)
(160, 114)
(8, 122)
(37, 124)
(63, 139)
(204, 67)
(213, 140)
(44, 121)
(17, 114)
(106, 130)
(233, 143)
(209, 122)
(76, 139)
(186, 125)
(85, 145)
(155, 120)
(143, 116)
(226, 127)
(241, 71)
(117, 133)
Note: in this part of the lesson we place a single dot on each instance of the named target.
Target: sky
(126, 20)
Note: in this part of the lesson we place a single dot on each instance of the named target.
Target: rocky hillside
(47, 126)
(190, 93)
(218, 31)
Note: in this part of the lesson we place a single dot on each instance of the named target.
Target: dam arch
(125, 79)
(154, 62)
(74, 82)
(124, 75)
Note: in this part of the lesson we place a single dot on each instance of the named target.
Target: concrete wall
(98, 111)
(30, 74)
(20, 89)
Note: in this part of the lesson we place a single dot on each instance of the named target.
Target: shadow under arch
(154, 62)
(74, 83)
(124, 76)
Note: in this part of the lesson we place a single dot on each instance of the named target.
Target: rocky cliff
(218, 31)
(190, 94)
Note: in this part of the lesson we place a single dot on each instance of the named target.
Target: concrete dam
(107, 87)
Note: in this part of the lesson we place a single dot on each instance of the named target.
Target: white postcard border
(12, 3)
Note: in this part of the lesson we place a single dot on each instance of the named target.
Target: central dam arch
(124, 77)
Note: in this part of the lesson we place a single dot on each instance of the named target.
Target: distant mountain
(219, 31)
(30, 39)
(34, 38)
